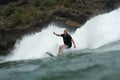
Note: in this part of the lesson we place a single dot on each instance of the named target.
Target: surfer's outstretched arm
(56, 34)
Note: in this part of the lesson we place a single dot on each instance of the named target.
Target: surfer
(67, 39)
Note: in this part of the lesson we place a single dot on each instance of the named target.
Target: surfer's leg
(61, 48)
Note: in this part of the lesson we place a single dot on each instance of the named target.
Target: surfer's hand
(74, 46)
(53, 32)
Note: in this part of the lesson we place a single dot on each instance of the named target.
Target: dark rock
(112, 4)
(2, 2)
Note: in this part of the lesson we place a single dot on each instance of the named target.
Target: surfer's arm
(73, 43)
(56, 34)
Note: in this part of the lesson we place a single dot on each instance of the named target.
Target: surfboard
(50, 54)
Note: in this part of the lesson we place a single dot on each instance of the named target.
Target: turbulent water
(96, 57)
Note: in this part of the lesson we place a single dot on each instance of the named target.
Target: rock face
(72, 23)
(112, 4)
(74, 14)
(6, 1)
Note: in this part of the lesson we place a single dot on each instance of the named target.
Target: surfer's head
(65, 31)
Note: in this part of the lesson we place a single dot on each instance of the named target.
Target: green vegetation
(8, 10)
(25, 12)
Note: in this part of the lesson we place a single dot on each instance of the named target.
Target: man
(67, 39)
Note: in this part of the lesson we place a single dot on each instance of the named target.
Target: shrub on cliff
(8, 10)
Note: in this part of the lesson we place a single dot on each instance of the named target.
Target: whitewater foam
(98, 31)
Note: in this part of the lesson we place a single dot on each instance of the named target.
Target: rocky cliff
(19, 17)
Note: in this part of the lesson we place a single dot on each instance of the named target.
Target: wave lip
(100, 30)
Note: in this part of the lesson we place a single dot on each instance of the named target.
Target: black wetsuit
(67, 40)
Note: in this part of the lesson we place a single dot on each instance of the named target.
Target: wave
(98, 31)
